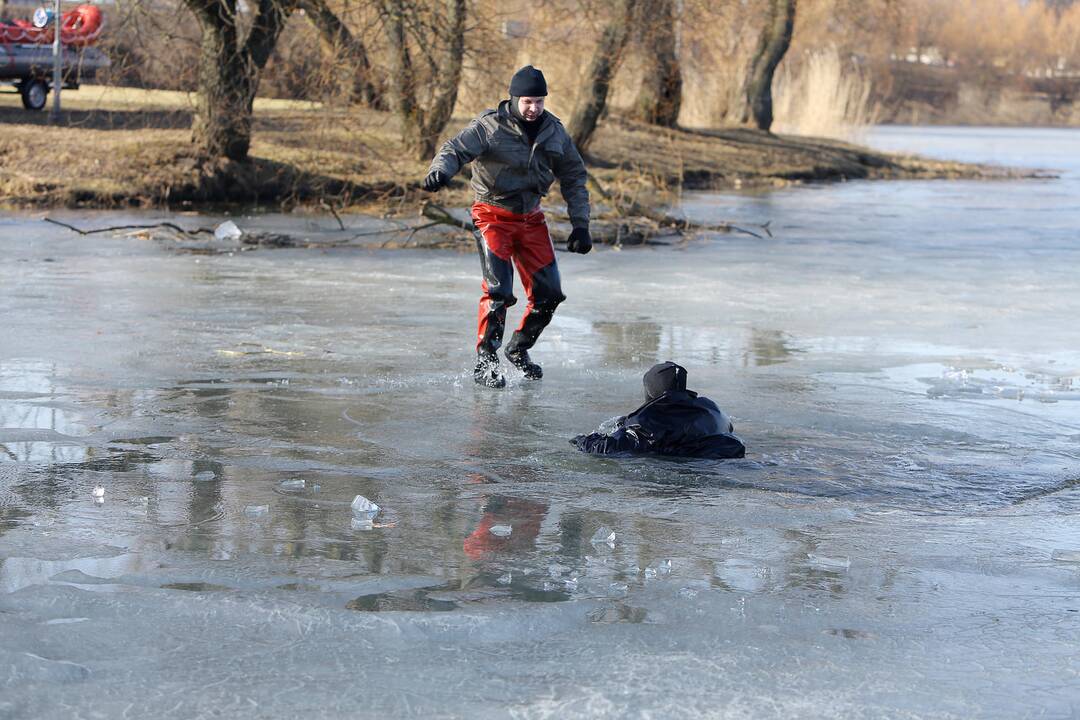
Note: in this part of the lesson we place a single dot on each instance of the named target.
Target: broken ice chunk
(361, 523)
(205, 476)
(501, 530)
(603, 536)
(256, 510)
(228, 231)
(292, 485)
(99, 492)
(663, 567)
(1069, 556)
(364, 508)
(506, 579)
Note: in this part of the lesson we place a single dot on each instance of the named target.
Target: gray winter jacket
(512, 174)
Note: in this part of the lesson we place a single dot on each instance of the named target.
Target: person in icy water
(673, 421)
(517, 152)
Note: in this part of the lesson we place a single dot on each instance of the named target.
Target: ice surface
(848, 348)
(825, 561)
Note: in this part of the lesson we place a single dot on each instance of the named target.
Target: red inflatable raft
(79, 27)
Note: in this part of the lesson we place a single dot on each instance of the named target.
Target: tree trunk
(348, 50)
(421, 127)
(660, 97)
(229, 73)
(449, 77)
(772, 45)
(222, 124)
(605, 62)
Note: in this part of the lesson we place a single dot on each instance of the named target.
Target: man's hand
(435, 181)
(579, 241)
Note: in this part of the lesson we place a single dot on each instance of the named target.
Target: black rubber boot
(517, 350)
(521, 360)
(487, 371)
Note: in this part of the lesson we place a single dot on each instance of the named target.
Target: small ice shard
(364, 508)
(603, 536)
(650, 573)
(361, 523)
(687, 593)
(205, 476)
(99, 492)
(505, 579)
(256, 510)
(663, 567)
(619, 588)
(501, 530)
(1069, 556)
(571, 583)
(228, 231)
(293, 485)
(556, 570)
(829, 562)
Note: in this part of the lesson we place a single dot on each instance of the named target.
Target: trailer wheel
(34, 93)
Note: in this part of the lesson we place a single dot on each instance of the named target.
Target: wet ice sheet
(897, 541)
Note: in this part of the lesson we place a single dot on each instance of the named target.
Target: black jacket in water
(676, 423)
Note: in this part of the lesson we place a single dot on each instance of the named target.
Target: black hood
(663, 378)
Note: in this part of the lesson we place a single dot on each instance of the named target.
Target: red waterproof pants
(504, 240)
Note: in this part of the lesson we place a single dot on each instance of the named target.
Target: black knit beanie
(663, 378)
(528, 82)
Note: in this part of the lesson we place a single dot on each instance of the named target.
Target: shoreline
(138, 155)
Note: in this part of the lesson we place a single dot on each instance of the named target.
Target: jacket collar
(671, 397)
(547, 122)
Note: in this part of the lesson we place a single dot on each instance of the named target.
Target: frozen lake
(901, 359)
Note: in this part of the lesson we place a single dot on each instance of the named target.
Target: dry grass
(134, 149)
(821, 97)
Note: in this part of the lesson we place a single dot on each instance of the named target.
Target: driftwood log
(632, 224)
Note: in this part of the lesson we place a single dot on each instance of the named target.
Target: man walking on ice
(517, 151)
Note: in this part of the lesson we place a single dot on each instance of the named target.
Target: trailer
(26, 53)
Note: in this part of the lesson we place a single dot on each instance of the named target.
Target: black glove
(579, 241)
(435, 181)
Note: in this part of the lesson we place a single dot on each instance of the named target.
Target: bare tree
(660, 97)
(605, 61)
(409, 27)
(772, 44)
(348, 50)
(229, 66)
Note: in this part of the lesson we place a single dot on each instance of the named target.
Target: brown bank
(123, 148)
